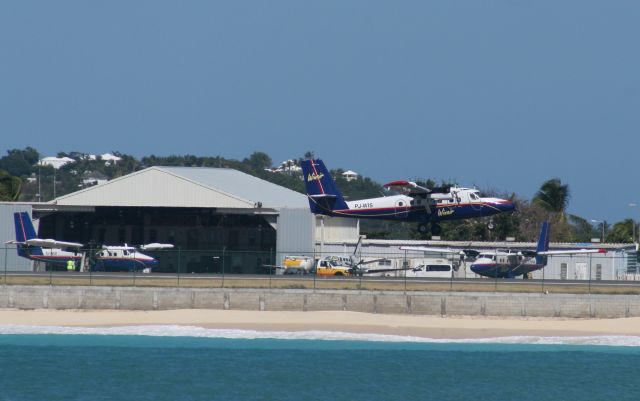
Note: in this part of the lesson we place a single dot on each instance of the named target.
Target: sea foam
(201, 332)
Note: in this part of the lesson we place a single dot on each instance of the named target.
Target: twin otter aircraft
(418, 203)
(508, 263)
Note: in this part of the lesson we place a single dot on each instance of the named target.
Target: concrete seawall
(390, 302)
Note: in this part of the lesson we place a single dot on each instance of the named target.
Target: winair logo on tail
(314, 177)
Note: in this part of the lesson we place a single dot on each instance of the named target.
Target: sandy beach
(351, 322)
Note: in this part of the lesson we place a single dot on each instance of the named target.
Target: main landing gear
(423, 229)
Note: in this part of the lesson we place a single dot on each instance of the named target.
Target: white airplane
(127, 257)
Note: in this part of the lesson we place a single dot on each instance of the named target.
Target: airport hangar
(216, 218)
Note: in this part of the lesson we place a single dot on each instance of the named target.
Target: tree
(19, 162)
(259, 161)
(553, 196)
(622, 232)
(9, 187)
(582, 229)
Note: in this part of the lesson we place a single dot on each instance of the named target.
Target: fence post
(5, 264)
(590, 273)
(223, 250)
(134, 268)
(179, 261)
(87, 261)
(270, 268)
(405, 266)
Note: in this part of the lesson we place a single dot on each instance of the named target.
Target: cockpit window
(487, 256)
(474, 196)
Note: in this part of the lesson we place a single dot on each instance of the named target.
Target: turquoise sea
(178, 363)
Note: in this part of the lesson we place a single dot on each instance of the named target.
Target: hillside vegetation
(21, 178)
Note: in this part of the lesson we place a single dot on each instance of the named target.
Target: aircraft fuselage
(402, 207)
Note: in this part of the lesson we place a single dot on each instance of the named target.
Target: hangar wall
(295, 230)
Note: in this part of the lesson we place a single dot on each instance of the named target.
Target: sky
(498, 94)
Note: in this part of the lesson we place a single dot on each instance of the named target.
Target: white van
(431, 268)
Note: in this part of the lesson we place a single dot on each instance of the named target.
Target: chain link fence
(223, 268)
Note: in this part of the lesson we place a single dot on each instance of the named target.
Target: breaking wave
(201, 332)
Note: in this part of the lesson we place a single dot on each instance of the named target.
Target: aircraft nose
(500, 205)
(507, 206)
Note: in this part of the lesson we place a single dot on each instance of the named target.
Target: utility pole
(633, 225)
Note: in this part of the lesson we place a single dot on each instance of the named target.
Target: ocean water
(190, 363)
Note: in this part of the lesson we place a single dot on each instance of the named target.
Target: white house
(350, 175)
(109, 158)
(94, 178)
(55, 162)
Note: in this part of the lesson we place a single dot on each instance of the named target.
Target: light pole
(600, 221)
(633, 225)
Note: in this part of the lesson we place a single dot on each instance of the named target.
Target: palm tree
(553, 196)
(10, 187)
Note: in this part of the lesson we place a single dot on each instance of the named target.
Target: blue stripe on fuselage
(503, 270)
(124, 263)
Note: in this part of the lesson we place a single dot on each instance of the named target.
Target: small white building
(109, 158)
(287, 166)
(94, 178)
(55, 162)
(350, 175)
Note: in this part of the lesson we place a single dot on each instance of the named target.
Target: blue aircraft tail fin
(324, 196)
(25, 231)
(543, 243)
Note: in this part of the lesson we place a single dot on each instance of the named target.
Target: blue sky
(500, 94)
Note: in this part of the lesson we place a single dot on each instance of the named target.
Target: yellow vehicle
(298, 264)
(333, 266)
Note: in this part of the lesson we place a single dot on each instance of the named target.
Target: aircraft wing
(51, 243)
(433, 250)
(374, 271)
(572, 252)
(153, 246)
(408, 187)
(366, 262)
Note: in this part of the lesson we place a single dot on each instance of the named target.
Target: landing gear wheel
(436, 229)
(422, 228)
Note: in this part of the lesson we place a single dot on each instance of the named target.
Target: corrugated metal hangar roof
(186, 187)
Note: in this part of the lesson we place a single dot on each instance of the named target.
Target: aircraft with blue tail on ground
(42, 250)
(417, 203)
(107, 258)
(509, 263)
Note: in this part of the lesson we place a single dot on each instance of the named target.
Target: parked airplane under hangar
(200, 210)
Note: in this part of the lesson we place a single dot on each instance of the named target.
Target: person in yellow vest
(71, 266)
